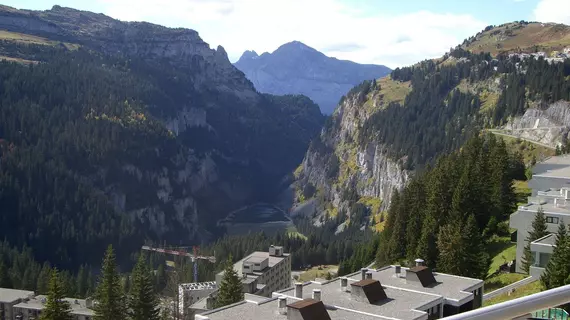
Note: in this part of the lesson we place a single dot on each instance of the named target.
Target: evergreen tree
(557, 270)
(451, 249)
(231, 287)
(538, 230)
(143, 303)
(44, 279)
(4, 278)
(109, 293)
(476, 260)
(82, 279)
(56, 308)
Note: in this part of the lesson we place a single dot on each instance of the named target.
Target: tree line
(444, 214)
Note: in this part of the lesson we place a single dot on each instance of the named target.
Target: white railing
(518, 307)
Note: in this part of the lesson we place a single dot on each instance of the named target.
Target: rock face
(337, 165)
(548, 125)
(295, 68)
(223, 145)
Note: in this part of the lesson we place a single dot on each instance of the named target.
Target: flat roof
(450, 287)
(78, 306)
(557, 167)
(238, 266)
(268, 310)
(547, 207)
(547, 240)
(400, 304)
(255, 259)
(11, 295)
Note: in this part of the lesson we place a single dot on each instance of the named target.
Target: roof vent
(307, 309)
(344, 284)
(419, 262)
(299, 290)
(368, 275)
(317, 294)
(363, 273)
(368, 291)
(421, 274)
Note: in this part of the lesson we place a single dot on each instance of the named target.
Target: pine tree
(538, 230)
(44, 279)
(81, 286)
(4, 278)
(451, 249)
(231, 287)
(558, 269)
(109, 293)
(476, 260)
(56, 308)
(143, 303)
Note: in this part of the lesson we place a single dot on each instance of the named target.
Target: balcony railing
(518, 307)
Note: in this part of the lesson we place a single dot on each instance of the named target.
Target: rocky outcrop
(549, 124)
(337, 165)
(295, 68)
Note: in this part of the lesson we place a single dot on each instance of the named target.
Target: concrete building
(263, 272)
(190, 293)
(30, 309)
(458, 294)
(9, 298)
(283, 308)
(550, 186)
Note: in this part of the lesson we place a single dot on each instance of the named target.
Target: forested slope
(110, 139)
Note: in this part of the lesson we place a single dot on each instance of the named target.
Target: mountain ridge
(295, 68)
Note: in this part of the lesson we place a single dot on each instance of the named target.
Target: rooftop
(547, 207)
(78, 306)
(268, 310)
(256, 259)
(11, 295)
(558, 167)
(400, 304)
(549, 240)
(198, 286)
(258, 256)
(454, 288)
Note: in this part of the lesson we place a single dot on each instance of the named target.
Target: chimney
(209, 303)
(282, 305)
(344, 284)
(397, 270)
(368, 275)
(363, 273)
(419, 262)
(89, 303)
(299, 290)
(317, 294)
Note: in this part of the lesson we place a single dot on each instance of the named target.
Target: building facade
(263, 272)
(31, 309)
(550, 185)
(190, 293)
(9, 298)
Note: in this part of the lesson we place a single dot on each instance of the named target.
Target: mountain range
(126, 132)
(295, 68)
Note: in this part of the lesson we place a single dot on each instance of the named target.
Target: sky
(389, 32)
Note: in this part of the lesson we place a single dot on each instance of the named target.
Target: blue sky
(390, 32)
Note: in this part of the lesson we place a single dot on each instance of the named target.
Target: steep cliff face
(548, 125)
(163, 133)
(344, 171)
(295, 68)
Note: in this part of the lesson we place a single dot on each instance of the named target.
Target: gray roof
(452, 288)
(256, 259)
(10, 295)
(557, 167)
(78, 306)
(268, 310)
(238, 266)
(401, 304)
(547, 207)
(549, 240)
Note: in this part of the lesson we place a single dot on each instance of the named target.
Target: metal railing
(518, 307)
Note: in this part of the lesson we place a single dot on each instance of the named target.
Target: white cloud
(553, 11)
(347, 33)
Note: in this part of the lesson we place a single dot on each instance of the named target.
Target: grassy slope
(527, 289)
(528, 149)
(513, 36)
(318, 272)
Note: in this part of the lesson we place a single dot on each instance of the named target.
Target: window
(552, 220)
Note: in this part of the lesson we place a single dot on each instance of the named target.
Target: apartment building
(30, 309)
(9, 298)
(190, 293)
(550, 186)
(263, 272)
